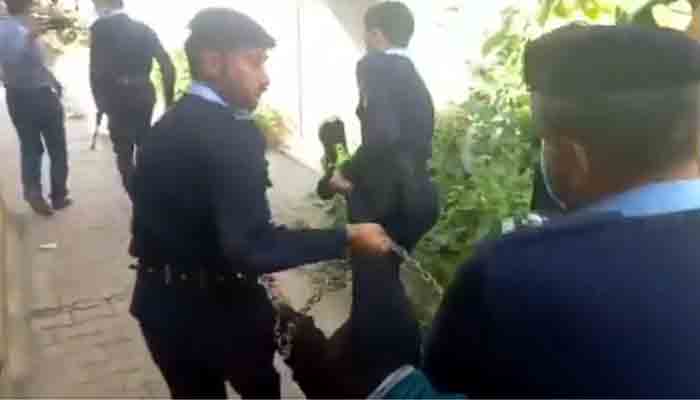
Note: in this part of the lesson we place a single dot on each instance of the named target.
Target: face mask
(547, 178)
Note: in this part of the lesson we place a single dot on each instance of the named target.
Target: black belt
(196, 277)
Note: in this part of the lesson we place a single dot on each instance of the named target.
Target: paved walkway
(80, 340)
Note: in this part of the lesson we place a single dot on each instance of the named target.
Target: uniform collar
(112, 12)
(654, 199)
(398, 51)
(204, 91)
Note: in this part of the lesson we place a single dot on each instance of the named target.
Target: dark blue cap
(579, 60)
(227, 29)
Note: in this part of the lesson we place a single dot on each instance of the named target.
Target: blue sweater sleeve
(237, 185)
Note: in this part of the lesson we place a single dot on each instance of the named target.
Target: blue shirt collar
(654, 199)
(398, 51)
(203, 90)
(111, 12)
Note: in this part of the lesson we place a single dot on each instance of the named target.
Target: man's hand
(369, 239)
(339, 184)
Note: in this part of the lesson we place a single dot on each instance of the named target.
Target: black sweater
(200, 197)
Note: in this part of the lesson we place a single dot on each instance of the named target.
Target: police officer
(387, 180)
(34, 105)
(121, 57)
(603, 302)
(201, 226)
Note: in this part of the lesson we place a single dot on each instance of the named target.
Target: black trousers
(130, 110)
(38, 114)
(200, 341)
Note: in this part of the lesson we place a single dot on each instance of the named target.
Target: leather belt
(200, 277)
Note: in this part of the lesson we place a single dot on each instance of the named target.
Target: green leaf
(494, 41)
(590, 8)
(563, 9)
(546, 9)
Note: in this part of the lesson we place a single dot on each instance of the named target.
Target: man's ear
(211, 63)
(579, 161)
(581, 156)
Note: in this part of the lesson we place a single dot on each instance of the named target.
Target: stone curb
(14, 345)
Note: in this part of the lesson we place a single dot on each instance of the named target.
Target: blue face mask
(547, 178)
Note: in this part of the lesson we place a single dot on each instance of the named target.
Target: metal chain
(284, 335)
(409, 262)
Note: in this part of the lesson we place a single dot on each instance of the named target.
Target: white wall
(329, 53)
(445, 41)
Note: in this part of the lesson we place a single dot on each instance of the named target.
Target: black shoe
(40, 206)
(62, 204)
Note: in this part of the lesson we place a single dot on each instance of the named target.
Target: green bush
(483, 154)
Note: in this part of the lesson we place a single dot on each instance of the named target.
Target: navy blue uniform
(121, 58)
(203, 233)
(597, 305)
(389, 171)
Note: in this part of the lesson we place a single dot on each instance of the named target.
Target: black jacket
(122, 51)
(200, 200)
(397, 116)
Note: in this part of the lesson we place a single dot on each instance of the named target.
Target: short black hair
(15, 7)
(331, 134)
(630, 94)
(223, 29)
(394, 19)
